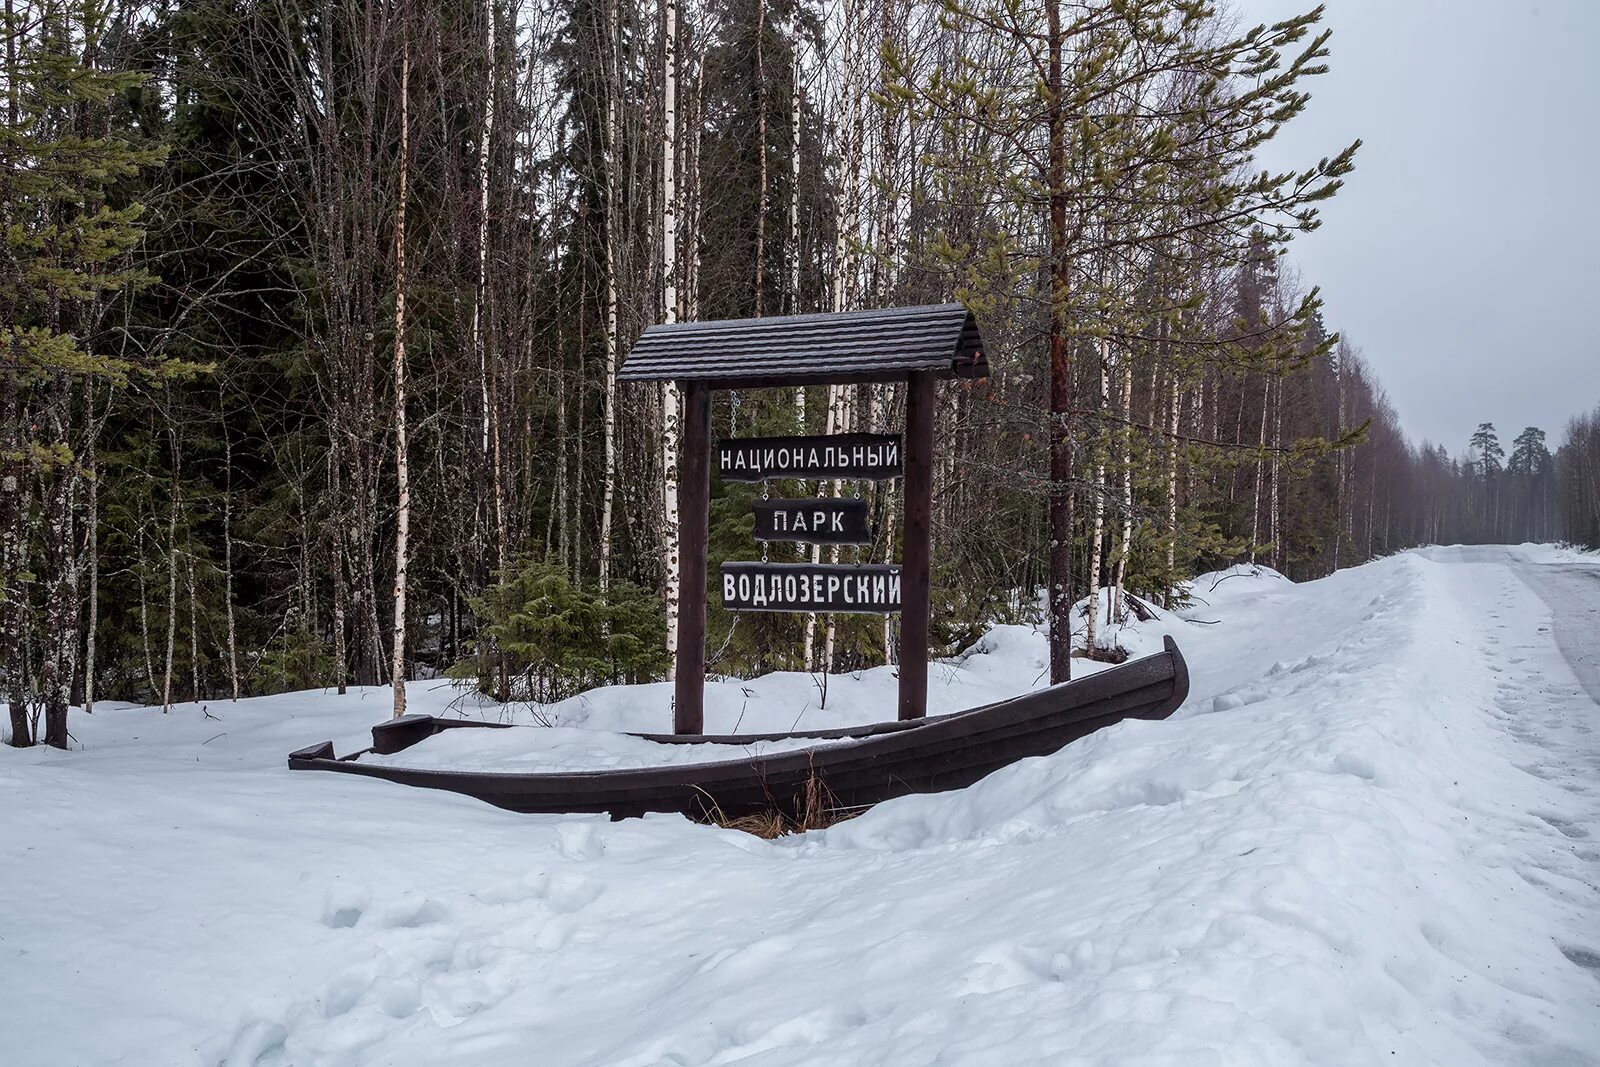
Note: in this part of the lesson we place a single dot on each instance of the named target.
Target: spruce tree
(64, 254)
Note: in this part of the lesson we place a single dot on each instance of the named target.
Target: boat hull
(854, 768)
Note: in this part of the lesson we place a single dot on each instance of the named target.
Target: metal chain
(766, 494)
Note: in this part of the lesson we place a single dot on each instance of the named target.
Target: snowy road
(1558, 718)
(1548, 700)
(1572, 591)
(1372, 835)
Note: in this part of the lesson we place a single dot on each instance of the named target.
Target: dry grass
(815, 809)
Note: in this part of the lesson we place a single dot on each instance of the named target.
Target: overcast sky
(1463, 255)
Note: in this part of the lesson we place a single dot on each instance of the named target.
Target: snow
(1007, 661)
(1365, 838)
(591, 731)
(563, 748)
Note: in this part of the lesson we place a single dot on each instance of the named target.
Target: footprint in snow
(564, 891)
(1235, 699)
(398, 997)
(258, 1043)
(344, 906)
(412, 911)
(1587, 958)
(579, 841)
(1566, 826)
(345, 992)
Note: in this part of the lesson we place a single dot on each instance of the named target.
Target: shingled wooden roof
(881, 345)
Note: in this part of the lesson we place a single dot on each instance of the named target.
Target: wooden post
(914, 559)
(694, 521)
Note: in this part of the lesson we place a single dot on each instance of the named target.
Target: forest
(312, 312)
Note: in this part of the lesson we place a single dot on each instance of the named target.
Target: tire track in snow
(1542, 638)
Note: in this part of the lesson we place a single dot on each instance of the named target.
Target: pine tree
(1093, 118)
(1529, 456)
(1485, 445)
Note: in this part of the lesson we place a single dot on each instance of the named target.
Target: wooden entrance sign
(863, 588)
(826, 521)
(915, 346)
(841, 456)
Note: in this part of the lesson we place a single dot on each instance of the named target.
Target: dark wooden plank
(879, 345)
(914, 567)
(820, 521)
(946, 752)
(694, 520)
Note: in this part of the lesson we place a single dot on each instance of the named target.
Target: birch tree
(671, 404)
(402, 470)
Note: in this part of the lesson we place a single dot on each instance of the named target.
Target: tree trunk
(227, 556)
(1097, 528)
(1339, 502)
(91, 624)
(1173, 404)
(671, 404)
(144, 610)
(172, 576)
(341, 657)
(1261, 448)
(14, 604)
(1061, 431)
(761, 146)
(402, 474)
(1125, 547)
(846, 224)
(608, 480)
(1274, 509)
(194, 620)
(57, 639)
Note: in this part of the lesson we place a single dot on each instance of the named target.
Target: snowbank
(1362, 840)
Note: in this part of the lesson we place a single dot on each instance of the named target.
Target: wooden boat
(854, 767)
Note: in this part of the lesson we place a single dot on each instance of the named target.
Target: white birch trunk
(879, 424)
(671, 415)
(1275, 509)
(1125, 548)
(1173, 406)
(888, 181)
(402, 473)
(809, 651)
(1261, 447)
(1096, 552)
(480, 348)
(1339, 499)
(838, 422)
(846, 223)
(1197, 422)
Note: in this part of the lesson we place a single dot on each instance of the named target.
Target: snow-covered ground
(1366, 838)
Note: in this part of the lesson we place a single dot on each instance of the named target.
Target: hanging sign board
(872, 588)
(828, 521)
(854, 456)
